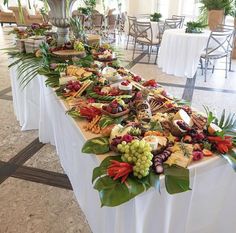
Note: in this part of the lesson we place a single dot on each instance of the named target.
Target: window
(163, 8)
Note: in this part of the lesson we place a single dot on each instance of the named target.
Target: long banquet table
(207, 208)
(180, 52)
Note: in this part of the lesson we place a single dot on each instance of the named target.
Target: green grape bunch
(79, 46)
(139, 154)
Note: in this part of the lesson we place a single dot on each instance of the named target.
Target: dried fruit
(197, 155)
(197, 147)
(207, 152)
(187, 139)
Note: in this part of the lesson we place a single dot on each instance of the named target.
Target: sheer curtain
(163, 7)
(189, 8)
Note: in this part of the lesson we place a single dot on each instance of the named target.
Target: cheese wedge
(182, 115)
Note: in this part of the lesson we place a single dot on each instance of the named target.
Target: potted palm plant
(217, 10)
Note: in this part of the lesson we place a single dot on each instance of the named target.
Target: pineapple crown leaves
(210, 115)
(226, 122)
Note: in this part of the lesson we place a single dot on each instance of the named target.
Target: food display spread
(142, 130)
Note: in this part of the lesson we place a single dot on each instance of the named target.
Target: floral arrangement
(144, 132)
(156, 17)
(194, 27)
(34, 30)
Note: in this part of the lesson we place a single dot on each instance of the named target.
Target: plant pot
(234, 49)
(215, 17)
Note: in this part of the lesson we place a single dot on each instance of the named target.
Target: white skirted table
(208, 208)
(180, 52)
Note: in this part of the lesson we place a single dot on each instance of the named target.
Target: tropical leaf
(53, 76)
(156, 126)
(98, 145)
(176, 179)
(181, 102)
(102, 169)
(113, 192)
(231, 159)
(228, 125)
(107, 120)
(210, 116)
(85, 62)
(73, 113)
(153, 180)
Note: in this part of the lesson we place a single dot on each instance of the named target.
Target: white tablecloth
(208, 208)
(180, 52)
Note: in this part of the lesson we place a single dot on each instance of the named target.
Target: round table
(180, 52)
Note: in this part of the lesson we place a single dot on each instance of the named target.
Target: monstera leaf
(98, 145)
(176, 179)
(113, 192)
(230, 157)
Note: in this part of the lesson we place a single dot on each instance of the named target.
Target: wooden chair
(218, 46)
(131, 30)
(7, 17)
(27, 18)
(111, 24)
(144, 36)
(97, 21)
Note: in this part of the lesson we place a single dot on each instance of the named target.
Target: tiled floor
(36, 207)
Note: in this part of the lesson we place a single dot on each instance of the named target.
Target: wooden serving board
(69, 53)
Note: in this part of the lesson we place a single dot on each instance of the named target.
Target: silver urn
(59, 16)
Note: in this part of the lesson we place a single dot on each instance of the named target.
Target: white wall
(166, 7)
(39, 4)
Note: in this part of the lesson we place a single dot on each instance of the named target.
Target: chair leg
(213, 68)
(205, 73)
(226, 66)
(156, 55)
(134, 49)
(150, 53)
(127, 42)
(201, 65)
(230, 62)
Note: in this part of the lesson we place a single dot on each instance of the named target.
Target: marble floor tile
(217, 79)
(46, 158)
(12, 138)
(216, 101)
(28, 207)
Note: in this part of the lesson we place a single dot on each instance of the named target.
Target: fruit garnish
(150, 83)
(223, 145)
(90, 112)
(137, 78)
(197, 155)
(79, 46)
(119, 170)
(73, 85)
(141, 160)
(125, 83)
(207, 152)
